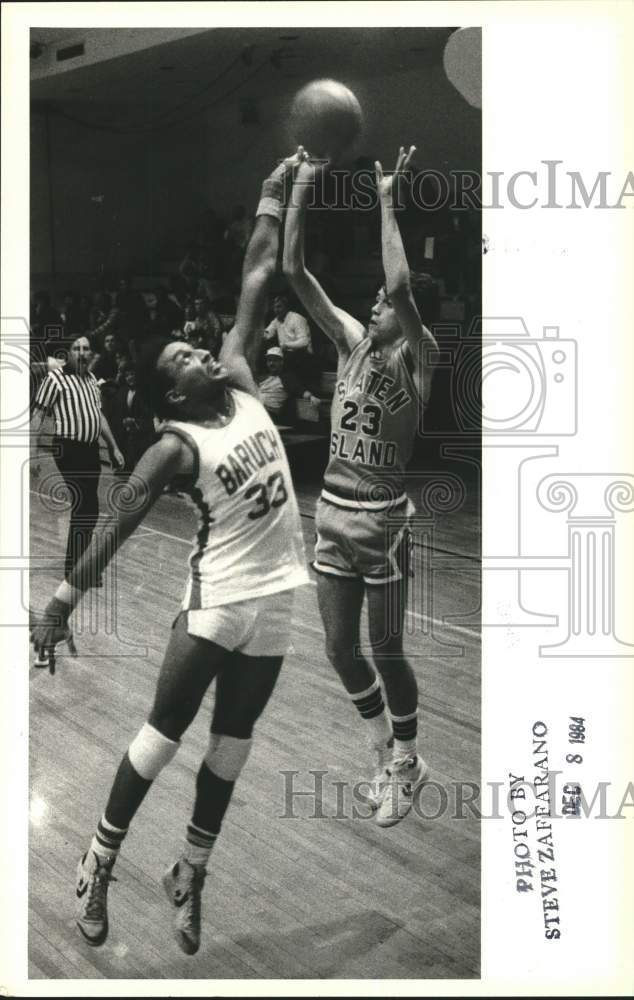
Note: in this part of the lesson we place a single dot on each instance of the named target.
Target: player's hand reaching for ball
(289, 165)
(386, 185)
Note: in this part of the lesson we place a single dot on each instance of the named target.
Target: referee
(71, 396)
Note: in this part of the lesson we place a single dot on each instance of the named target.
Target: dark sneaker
(94, 875)
(183, 884)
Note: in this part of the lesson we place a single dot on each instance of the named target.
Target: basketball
(326, 118)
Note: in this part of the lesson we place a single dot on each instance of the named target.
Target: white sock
(198, 845)
(405, 735)
(107, 841)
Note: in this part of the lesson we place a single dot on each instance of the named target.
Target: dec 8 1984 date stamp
(536, 800)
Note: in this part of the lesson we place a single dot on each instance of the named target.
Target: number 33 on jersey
(242, 489)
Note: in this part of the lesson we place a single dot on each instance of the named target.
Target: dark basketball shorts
(366, 544)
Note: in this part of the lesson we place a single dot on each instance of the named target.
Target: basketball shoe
(94, 875)
(405, 777)
(183, 884)
(372, 792)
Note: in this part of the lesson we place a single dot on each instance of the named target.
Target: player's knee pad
(150, 752)
(227, 755)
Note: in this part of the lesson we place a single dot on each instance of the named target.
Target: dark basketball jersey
(375, 415)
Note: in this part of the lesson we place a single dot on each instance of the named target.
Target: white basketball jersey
(249, 543)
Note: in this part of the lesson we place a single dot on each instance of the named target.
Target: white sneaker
(183, 884)
(94, 875)
(398, 796)
(371, 792)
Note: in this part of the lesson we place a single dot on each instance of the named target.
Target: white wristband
(69, 595)
(270, 206)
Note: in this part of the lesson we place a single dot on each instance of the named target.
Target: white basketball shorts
(260, 626)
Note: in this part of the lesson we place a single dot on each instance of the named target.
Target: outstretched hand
(385, 185)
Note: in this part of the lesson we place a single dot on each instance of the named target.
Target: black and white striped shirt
(74, 402)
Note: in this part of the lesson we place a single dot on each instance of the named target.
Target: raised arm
(344, 330)
(398, 289)
(167, 458)
(259, 267)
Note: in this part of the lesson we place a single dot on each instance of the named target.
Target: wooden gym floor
(294, 890)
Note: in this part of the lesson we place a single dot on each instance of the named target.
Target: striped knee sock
(405, 730)
(371, 707)
(107, 840)
(213, 795)
(198, 845)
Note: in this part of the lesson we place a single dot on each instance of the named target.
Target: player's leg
(386, 611)
(340, 602)
(340, 592)
(87, 511)
(79, 466)
(189, 666)
(243, 689)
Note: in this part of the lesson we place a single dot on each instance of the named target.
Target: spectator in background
(293, 335)
(225, 310)
(195, 268)
(189, 319)
(131, 420)
(273, 394)
(166, 315)
(177, 291)
(208, 325)
(106, 367)
(195, 337)
(279, 388)
(122, 358)
(104, 364)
